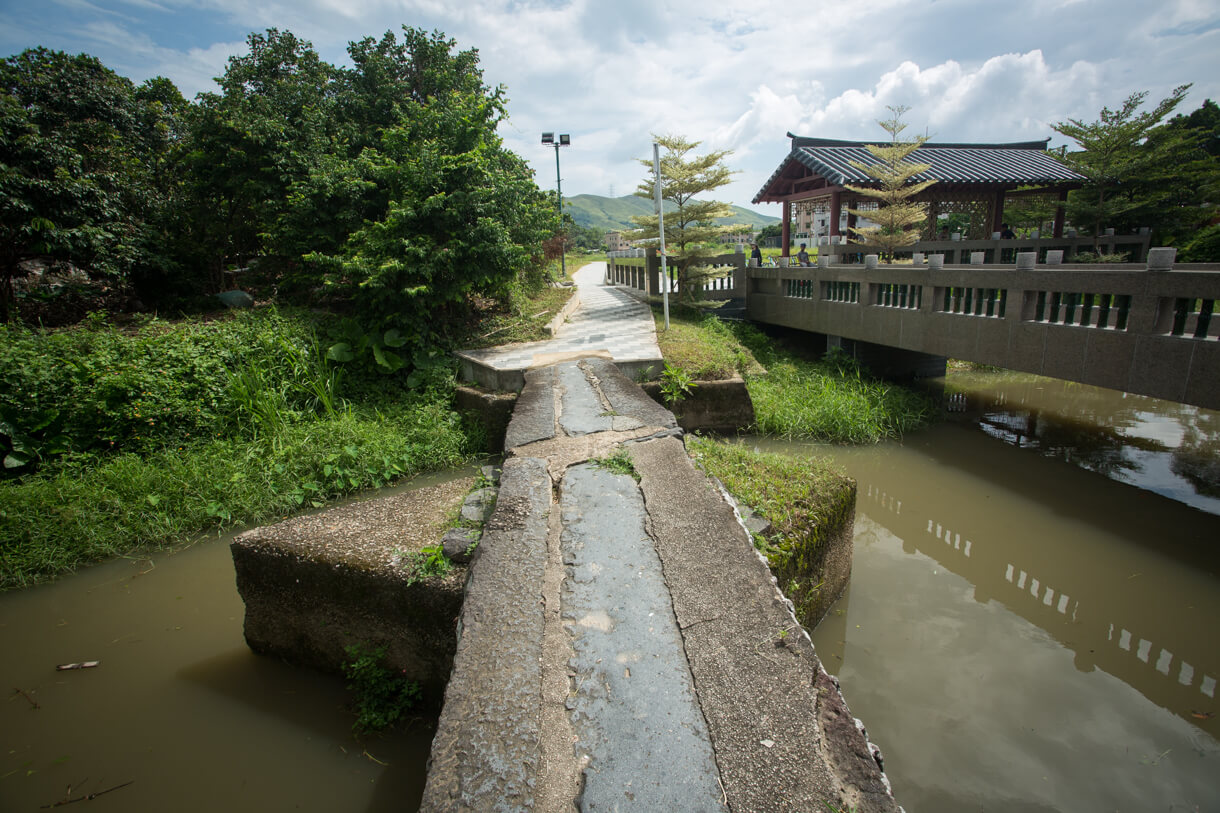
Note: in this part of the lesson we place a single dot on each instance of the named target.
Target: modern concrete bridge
(622, 646)
(1145, 328)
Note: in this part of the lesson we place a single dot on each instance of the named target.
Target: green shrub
(381, 695)
(1203, 247)
(81, 511)
(95, 388)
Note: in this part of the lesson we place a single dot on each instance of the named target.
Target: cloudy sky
(735, 76)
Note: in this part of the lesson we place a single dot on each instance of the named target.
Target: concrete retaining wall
(315, 584)
(712, 406)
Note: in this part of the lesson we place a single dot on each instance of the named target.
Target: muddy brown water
(1031, 626)
(1031, 623)
(178, 706)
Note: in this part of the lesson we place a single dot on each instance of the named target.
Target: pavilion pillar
(933, 216)
(997, 212)
(851, 222)
(836, 206)
(1059, 214)
(786, 229)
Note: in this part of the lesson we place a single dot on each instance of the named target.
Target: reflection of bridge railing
(1128, 327)
(1176, 680)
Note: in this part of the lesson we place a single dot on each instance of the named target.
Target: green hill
(614, 214)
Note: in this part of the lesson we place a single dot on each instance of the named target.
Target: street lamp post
(565, 140)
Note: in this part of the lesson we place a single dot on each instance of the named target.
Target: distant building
(738, 239)
(615, 241)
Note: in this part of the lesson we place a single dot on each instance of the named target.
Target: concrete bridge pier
(621, 645)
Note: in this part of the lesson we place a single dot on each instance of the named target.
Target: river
(178, 706)
(1031, 623)
(1031, 626)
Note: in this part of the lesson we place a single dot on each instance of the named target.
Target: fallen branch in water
(64, 667)
(375, 759)
(33, 702)
(67, 800)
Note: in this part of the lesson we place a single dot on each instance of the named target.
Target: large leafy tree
(341, 191)
(450, 214)
(1134, 167)
(691, 234)
(896, 215)
(78, 150)
(267, 130)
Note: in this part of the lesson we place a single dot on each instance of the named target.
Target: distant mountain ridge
(614, 214)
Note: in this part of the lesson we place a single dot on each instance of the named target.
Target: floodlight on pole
(565, 140)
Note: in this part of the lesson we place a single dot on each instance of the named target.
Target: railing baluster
(1181, 307)
(1124, 307)
(1206, 308)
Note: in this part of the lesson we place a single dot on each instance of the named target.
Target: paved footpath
(622, 646)
(609, 323)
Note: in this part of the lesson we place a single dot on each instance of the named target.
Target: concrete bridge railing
(1147, 329)
(640, 270)
(998, 250)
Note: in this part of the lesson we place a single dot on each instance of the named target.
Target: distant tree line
(382, 188)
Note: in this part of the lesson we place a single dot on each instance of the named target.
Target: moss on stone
(811, 507)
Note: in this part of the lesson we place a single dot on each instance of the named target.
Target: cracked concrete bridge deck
(620, 644)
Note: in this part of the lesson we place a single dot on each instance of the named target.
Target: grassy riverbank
(150, 434)
(831, 399)
(808, 501)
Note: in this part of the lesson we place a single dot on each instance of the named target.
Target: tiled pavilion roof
(978, 165)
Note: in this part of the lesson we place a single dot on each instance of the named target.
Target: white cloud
(734, 77)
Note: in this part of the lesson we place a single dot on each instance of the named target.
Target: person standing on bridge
(802, 256)
(755, 255)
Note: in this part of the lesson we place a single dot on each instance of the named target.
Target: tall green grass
(115, 439)
(831, 400)
(60, 519)
(819, 402)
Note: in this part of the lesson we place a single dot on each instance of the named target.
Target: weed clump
(619, 462)
(381, 695)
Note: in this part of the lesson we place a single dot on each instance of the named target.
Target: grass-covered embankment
(809, 503)
(830, 400)
(121, 439)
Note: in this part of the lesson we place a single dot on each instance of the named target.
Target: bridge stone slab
(534, 415)
(761, 686)
(486, 752)
(633, 706)
(697, 718)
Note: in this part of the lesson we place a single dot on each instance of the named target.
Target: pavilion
(974, 179)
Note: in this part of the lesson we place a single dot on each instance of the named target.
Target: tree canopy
(691, 234)
(81, 165)
(896, 213)
(382, 187)
(1141, 170)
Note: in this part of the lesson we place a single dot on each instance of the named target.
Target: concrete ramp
(622, 646)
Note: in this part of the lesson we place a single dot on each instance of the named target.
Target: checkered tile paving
(608, 320)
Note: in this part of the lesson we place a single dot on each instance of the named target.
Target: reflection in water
(1172, 449)
(1020, 634)
(178, 705)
